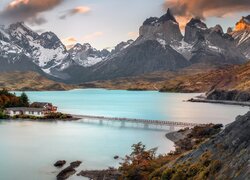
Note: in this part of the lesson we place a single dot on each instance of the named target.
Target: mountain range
(159, 47)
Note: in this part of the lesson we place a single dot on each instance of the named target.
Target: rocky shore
(68, 171)
(109, 174)
(198, 100)
(234, 97)
(178, 135)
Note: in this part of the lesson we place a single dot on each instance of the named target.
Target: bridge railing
(142, 121)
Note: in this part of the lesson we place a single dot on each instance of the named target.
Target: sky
(105, 23)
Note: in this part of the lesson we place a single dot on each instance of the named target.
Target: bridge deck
(142, 121)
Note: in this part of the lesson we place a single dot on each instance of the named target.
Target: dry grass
(29, 81)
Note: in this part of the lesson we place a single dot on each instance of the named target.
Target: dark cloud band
(27, 10)
(206, 8)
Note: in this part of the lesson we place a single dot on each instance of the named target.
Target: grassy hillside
(228, 78)
(152, 81)
(29, 81)
(199, 78)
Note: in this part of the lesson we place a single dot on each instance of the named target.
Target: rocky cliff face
(241, 34)
(193, 30)
(211, 45)
(45, 50)
(165, 28)
(233, 95)
(230, 149)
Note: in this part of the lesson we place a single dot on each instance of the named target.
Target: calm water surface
(29, 149)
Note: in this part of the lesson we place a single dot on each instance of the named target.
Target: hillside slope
(29, 81)
(228, 151)
(230, 78)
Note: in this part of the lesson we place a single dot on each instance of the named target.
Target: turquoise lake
(29, 149)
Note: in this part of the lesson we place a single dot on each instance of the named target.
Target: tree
(24, 100)
(4, 92)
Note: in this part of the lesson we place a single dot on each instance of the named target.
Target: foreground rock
(66, 173)
(110, 174)
(229, 95)
(75, 164)
(178, 135)
(60, 163)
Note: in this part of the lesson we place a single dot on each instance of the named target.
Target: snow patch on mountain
(183, 48)
(162, 42)
(43, 55)
(85, 55)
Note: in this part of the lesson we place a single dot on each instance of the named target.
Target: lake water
(29, 149)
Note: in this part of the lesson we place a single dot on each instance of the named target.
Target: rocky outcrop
(228, 95)
(60, 163)
(166, 28)
(211, 45)
(122, 46)
(75, 164)
(68, 171)
(230, 149)
(241, 34)
(193, 30)
(110, 174)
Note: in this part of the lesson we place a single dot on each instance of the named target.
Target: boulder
(75, 164)
(116, 157)
(60, 163)
(66, 173)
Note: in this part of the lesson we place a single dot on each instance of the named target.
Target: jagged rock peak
(217, 29)
(197, 23)
(87, 46)
(229, 30)
(21, 28)
(247, 19)
(243, 24)
(77, 47)
(121, 46)
(151, 21)
(166, 17)
(81, 47)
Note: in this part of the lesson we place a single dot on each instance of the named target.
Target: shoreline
(42, 120)
(177, 135)
(225, 102)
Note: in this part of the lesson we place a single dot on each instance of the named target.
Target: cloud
(76, 10)
(37, 21)
(202, 9)
(92, 36)
(133, 35)
(27, 10)
(69, 42)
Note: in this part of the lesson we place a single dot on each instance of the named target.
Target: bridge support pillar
(122, 124)
(171, 128)
(146, 126)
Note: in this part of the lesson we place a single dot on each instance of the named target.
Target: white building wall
(28, 113)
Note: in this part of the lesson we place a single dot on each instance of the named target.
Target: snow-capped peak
(85, 55)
